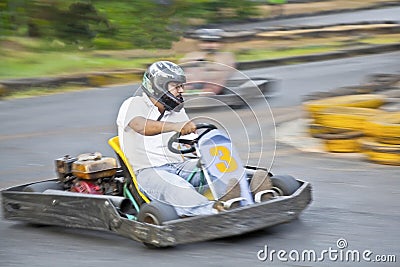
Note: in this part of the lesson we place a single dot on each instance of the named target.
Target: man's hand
(186, 127)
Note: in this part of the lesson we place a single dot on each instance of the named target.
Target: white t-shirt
(146, 151)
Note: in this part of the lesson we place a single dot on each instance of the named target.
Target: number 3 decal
(227, 164)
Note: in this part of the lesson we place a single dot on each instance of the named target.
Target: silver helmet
(156, 80)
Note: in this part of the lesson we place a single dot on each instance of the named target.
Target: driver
(209, 63)
(145, 124)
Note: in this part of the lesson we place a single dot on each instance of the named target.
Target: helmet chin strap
(174, 103)
(165, 103)
(161, 115)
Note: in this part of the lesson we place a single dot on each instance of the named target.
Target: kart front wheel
(156, 213)
(286, 184)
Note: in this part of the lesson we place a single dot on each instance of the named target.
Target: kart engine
(90, 173)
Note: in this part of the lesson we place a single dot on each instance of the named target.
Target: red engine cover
(86, 187)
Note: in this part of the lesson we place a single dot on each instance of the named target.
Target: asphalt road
(383, 14)
(353, 200)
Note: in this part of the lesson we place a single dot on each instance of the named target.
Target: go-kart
(95, 192)
(234, 93)
(212, 84)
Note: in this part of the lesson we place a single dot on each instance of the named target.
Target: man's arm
(148, 127)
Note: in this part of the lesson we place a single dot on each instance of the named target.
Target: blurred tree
(115, 24)
(143, 24)
(81, 22)
(214, 11)
(68, 20)
(9, 18)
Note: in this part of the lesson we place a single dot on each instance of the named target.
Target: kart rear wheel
(43, 186)
(156, 213)
(286, 183)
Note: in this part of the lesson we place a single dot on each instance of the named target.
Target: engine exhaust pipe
(121, 203)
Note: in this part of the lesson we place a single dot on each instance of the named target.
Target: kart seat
(129, 174)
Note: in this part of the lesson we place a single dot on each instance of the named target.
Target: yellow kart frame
(138, 196)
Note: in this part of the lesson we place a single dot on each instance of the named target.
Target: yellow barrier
(346, 142)
(314, 107)
(385, 126)
(108, 78)
(349, 118)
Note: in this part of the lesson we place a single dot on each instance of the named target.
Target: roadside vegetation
(48, 38)
(40, 37)
(25, 62)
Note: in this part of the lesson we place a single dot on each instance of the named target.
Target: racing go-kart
(93, 192)
(212, 77)
(235, 93)
(212, 84)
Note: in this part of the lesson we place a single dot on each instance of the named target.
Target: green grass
(382, 40)
(55, 63)
(273, 54)
(28, 61)
(37, 91)
(27, 65)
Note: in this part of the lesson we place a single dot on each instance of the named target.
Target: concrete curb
(373, 49)
(309, 14)
(286, 32)
(374, 6)
(93, 79)
(384, 84)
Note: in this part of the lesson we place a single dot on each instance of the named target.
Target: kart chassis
(101, 213)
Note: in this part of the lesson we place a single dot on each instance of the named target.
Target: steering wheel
(175, 139)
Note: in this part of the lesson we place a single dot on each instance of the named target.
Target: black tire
(43, 186)
(286, 183)
(156, 213)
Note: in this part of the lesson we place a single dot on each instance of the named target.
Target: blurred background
(52, 37)
(336, 64)
(43, 37)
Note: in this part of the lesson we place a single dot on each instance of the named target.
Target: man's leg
(185, 170)
(159, 183)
